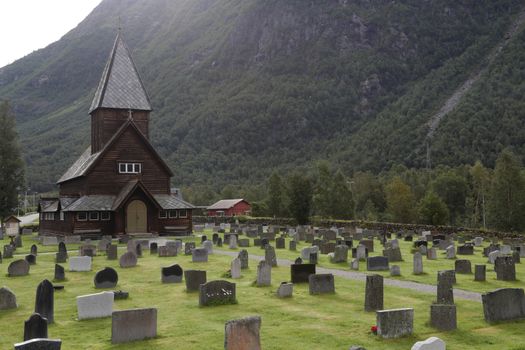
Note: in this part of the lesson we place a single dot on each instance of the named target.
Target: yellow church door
(137, 217)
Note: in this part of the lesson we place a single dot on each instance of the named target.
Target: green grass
(314, 322)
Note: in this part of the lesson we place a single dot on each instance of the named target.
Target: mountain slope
(240, 87)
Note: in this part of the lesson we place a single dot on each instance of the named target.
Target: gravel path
(361, 276)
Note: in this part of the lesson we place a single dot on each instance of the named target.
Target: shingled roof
(120, 85)
(225, 204)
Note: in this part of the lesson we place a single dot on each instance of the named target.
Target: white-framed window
(62, 216)
(82, 216)
(163, 214)
(173, 214)
(183, 213)
(49, 216)
(105, 215)
(93, 216)
(129, 168)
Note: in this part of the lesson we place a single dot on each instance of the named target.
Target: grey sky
(29, 25)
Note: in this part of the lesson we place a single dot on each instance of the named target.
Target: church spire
(120, 86)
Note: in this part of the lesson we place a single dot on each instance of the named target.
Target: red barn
(229, 207)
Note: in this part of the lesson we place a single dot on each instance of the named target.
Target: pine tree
(11, 164)
(300, 191)
(507, 194)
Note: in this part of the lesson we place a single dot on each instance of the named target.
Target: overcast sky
(29, 25)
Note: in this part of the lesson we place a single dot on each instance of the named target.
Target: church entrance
(137, 217)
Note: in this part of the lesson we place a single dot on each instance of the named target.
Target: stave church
(120, 184)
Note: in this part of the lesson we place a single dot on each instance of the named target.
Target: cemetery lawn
(302, 322)
(430, 267)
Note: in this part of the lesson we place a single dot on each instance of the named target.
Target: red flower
(374, 329)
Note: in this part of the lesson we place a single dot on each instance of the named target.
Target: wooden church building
(120, 184)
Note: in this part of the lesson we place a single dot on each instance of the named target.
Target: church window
(93, 216)
(82, 216)
(183, 213)
(105, 215)
(163, 214)
(173, 214)
(129, 168)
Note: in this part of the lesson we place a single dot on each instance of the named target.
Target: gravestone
(264, 274)
(111, 252)
(18, 241)
(340, 254)
(395, 270)
(87, 250)
(285, 290)
(377, 263)
(153, 248)
(478, 241)
(313, 258)
(7, 299)
(480, 272)
(171, 274)
(243, 334)
(451, 252)
(106, 278)
(217, 293)
(354, 264)
(194, 278)
(269, 255)
(374, 293)
(215, 238)
(35, 327)
(199, 255)
(305, 252)
(188, 247)
(244, 242)
(45, 299)
(321, 284)
(34, 249)
(395, 323)
(18, 268)
(60, 273)
(39, 344)
(368, 243)
(235, 269)
(232, 244)
(219, 242)
(280, 243)
(128, 259)
(504, 304)
(8, 251)
(204, 238)
(298, 261)
(463, 266)
(97, 305)
(465, 249)
(443, 316)
(134, 324)
(418, 264)
(393, 254)
(31, 259)
(505, 268)
(327, 247)
(208, 245)
(243, 257)
(292, 245)
(432, 254)
(80, 263)
(493, 255)
(431, 343)
(445, 289)
(138, 250)
(300, 273)
(361, 252)
(60, 257)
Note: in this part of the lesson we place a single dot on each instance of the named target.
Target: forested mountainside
(241, 88)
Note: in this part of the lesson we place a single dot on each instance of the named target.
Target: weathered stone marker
(243, 334)
(217, 293)
(395, 323)
(374, 293)
(443, 316)
(134, 324)
(18, 268)
(128, 259)
(264, 274)
(60, 273)
(321, 284)
(45, 300)
(7, 299)
(39, 344)
(35, 327)
(504, 304)
(194, 278)
(171, 274)
(97, 305)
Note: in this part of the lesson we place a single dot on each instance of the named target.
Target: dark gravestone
(354, 253)
(111, 251)
(393, 254)
(349, 243)
(8, 251)
(18, 268)
(60, 257)
(301, 272)
(203, 238)
(368, 243)
(199, 255)
(18, 241)
(445, 289)
(7, 299)
(408, 239)
(138, 250)
(504, 304)
(321, 284)
(219, 242)
(188, 247)
(257, 242)
(269, 256)
(491, 248)
(280, 243)
(264, 243)
(505, 268)
(480, 272)
(443, 317)
(35, 327)
(243, 257)
(194, 278)
(217, 293)
(120, 295)
(463, 266)
(60, 273)
(377, 263)
(62, 247)
(171, 274)
(106, 278)
(34, 249)
(298, 261)
(327, 247)
(215, 238)
(45, 299)
(153, 248)
(374, 293)
(39, 344)
(466, 249)
(293, 245)
(244, 242)
(313, 258)
(31, 259)
(418, 244)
